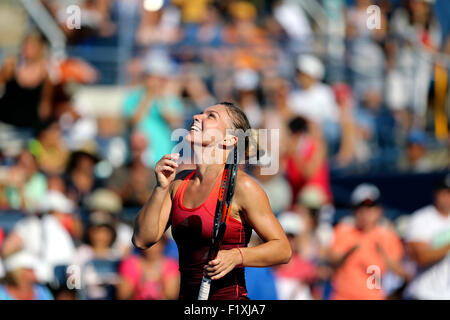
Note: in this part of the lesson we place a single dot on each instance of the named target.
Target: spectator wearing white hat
(109, 203)
(155, 107)
(44, 237)
(293, 280)
(246, 84)
(20, 282)
(315, 100)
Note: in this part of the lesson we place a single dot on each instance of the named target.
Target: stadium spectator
(134, 181)
(26, 101)
(109, 203)
(149, 275)
(293, 279)
(20, 282)
(44, 237)
(246, 83)
(428, 242)
(377, 126)
(154, 109)
(50, 150)
(415, 159)
(313, 240)
(306, 162)
(276, 187)
(315, 100)
(80, 175)
(418, 34)
(26, 185)
(363, 248)
(95, 255)
(158, 27)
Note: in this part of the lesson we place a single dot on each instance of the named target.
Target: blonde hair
(240, 122)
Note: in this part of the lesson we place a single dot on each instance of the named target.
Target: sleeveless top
(192, 230)
(19, 105)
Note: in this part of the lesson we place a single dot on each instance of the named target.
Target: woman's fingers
(171, 156)
(217, 268)
(167, 168)
(170, 163)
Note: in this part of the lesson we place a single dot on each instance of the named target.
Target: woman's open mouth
(195, 128)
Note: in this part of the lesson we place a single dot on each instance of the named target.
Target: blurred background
(90, 91)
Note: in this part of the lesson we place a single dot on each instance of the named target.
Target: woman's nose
(197, 117)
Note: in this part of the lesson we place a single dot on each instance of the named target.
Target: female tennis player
(187, 200)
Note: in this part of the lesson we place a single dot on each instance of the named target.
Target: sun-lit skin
(208, 134)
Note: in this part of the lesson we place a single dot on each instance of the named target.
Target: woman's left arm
(275, 249)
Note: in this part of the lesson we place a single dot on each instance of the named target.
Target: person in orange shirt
(364, 247)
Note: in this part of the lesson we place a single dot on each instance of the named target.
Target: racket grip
(203, 294)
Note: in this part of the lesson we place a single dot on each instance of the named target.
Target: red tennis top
(192, 230)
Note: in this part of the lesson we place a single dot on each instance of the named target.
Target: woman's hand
(165, 170)
(225, 261)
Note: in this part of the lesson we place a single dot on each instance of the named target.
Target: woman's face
(210, 126)
(367, 217)
(32, 48)
(24, 276)
(100, 236)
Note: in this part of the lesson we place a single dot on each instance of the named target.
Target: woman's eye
(211, 116)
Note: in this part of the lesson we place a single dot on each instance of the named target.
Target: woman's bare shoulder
(247, 187)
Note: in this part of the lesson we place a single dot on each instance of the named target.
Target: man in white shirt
(428, 241)
(315, 101)
(45, 237)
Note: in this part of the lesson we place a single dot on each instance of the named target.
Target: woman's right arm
(153, 219)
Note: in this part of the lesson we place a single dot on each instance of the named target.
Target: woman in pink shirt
(149, 276)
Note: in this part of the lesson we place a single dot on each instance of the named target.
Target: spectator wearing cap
(100, 236)
(364, 247)
(20, 282)
(293, 280)
(428, 242)
(315, 100)
(246, 85)
(155, 107)
(110, 204)
(44, 237)
(416, 159)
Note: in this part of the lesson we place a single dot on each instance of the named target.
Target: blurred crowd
(350, 101)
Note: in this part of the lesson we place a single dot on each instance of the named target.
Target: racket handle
(203, 294)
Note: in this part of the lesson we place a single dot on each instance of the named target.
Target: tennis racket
(221, 216)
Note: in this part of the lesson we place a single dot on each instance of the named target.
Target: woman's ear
(230, 141)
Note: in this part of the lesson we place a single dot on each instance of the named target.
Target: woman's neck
(208, 171)
(206, 164)
(101, 251)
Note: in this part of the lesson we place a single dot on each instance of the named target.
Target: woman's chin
(194, 137)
